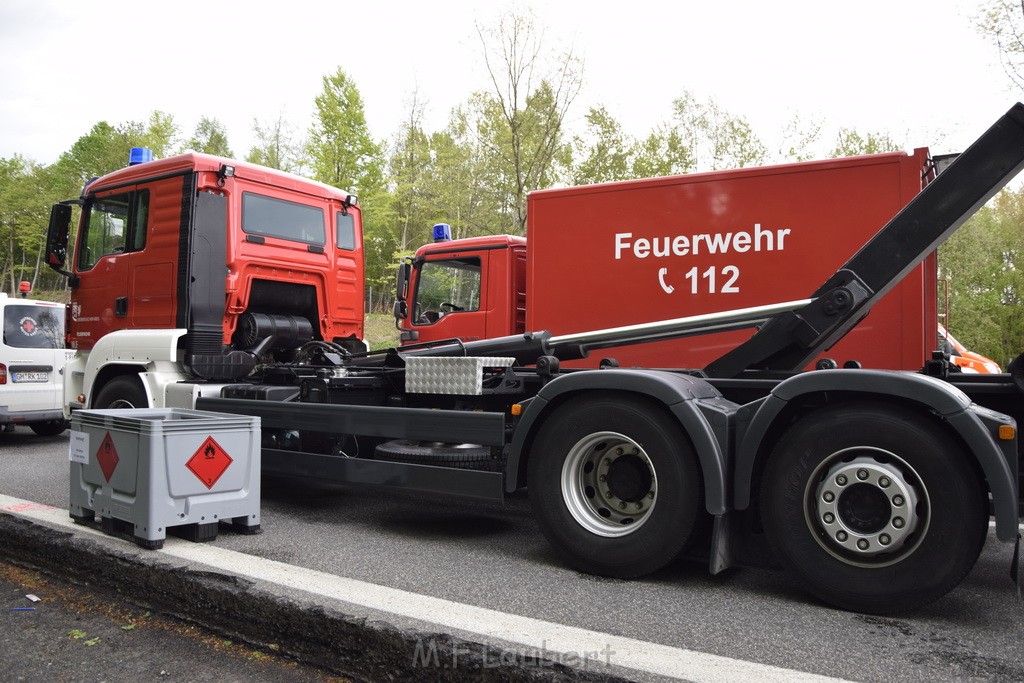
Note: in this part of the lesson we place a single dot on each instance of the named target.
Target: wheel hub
(629, 478)
(609, 484)
(867, 506)
(864, 508)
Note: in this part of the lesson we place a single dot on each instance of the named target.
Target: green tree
(662, 152)
(210, 137)
(409, 169)
(1002, 22)
(379, 249)
(799, 139)
(26, 192)
(612, 155)
(341, 150)
(605, 154)
(342, 153)
(460, 184)
(715, 138)
(102, 150)
(161, 134)
(520, 120)
(850, 143)
(276, 146)
(105, 148)
(983, 263)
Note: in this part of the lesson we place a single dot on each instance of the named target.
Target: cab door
(112, 227)
(447, 298)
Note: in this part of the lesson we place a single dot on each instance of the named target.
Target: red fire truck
(631, 252)
(874, 487)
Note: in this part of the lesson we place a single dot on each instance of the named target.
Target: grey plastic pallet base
(196, 533)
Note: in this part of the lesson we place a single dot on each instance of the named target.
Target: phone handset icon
(661, 281)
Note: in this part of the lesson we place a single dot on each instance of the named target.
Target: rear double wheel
(877, 509)
(615, 485)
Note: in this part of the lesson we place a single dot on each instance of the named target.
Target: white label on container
(78, 447)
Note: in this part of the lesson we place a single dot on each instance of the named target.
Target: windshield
(27, 326)
(447, 286)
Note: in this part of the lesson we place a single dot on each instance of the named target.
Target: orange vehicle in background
(967, 361)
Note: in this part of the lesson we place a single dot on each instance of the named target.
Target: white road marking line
(569, 645)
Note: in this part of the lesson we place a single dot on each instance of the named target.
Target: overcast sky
(914, 68)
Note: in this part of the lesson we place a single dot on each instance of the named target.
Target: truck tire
(458, 455)
(876, 509)
(615, 485)
(122, 392)
(49, 428)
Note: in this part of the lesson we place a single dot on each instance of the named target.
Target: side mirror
(401, 310)
(57, 237)
(402, 281)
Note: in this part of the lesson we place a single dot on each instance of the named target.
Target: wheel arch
(696, 406)
(762, 423)
(112, 371)
(152, 355)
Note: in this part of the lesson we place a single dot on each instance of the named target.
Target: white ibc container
(145, 472)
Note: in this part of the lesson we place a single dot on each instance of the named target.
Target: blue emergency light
(442, 232)
(139, 155)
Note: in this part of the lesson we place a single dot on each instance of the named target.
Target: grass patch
(380, 331)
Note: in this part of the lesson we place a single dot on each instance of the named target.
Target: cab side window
(280, 218)
(114, 224)
(346, 236)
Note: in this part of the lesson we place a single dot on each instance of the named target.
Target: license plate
(30, 377)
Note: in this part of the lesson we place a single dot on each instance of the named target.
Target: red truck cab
(211, 265)
(278, 232)
(468, 289)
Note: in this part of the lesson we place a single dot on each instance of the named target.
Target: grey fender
(976, 426)
(699, 408)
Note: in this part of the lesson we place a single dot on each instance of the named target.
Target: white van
(32, 359)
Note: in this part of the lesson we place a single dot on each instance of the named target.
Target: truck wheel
(876, 509)
(49, 428)
(615, 486)
(121, 392)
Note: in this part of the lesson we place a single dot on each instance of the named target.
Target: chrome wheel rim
(609, 484)
(867, 507)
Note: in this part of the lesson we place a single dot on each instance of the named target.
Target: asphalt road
(494, 557)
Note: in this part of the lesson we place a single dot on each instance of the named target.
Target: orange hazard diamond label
(106, 456)
(209, 462)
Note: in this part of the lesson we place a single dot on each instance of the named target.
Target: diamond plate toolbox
(459, 376)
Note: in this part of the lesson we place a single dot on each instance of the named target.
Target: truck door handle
(121, 306)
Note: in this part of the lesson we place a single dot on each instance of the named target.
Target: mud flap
(1015, 573)
(721, 556)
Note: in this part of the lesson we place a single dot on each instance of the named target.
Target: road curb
(237, 608)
